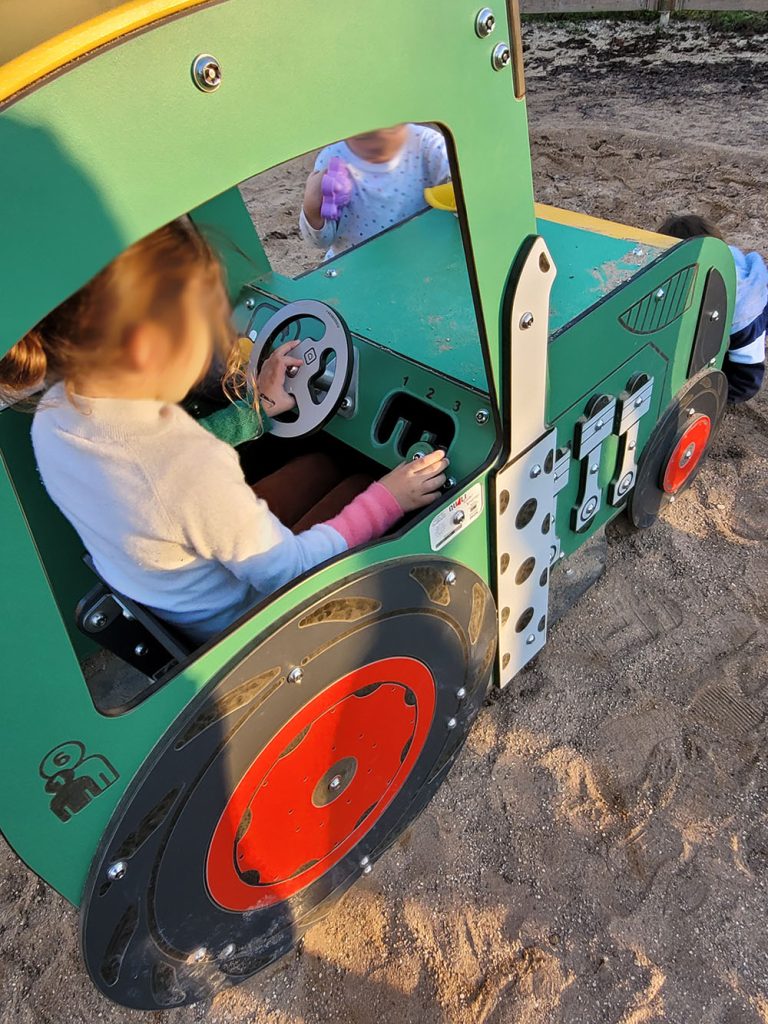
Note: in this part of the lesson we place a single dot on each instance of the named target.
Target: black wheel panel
(285, 779)
(678, 445)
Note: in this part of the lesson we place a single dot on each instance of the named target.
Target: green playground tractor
(203, 806)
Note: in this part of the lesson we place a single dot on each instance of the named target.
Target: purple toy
(337, 188)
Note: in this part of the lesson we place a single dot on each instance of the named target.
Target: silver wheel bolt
(117, 870)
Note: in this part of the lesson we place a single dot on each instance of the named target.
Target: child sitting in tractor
(744, 364)
(161, 504)
(367, 183)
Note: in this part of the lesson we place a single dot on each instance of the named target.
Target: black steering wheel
(318, 394)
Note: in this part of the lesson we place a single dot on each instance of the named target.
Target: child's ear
(146, 345)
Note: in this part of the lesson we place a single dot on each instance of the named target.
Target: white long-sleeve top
(165, 512)
(385, 193)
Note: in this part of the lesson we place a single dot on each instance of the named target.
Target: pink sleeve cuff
(367, 516)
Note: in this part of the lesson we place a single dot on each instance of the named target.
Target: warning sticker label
(457, 517)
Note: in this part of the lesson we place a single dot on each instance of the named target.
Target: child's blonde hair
(145, 282)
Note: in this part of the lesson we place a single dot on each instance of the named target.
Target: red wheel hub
(320, 784)
(686, 454)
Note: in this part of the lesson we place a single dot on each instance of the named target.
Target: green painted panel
(407, 289)
(589, 350)
(46, 702)
(589, 267)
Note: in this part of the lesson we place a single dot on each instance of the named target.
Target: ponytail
(23, 368)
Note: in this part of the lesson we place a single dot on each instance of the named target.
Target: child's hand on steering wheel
(271, 381)
(417, 483)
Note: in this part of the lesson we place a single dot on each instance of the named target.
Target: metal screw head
(461, 693)
(346, 404)
(117, 870)
(714, 315)
(485, 22)
(206, 72)
(250, 303)
(140, 650)
(449, 483)
(632, 445)
(626, 483)
(482, 416)
(501, 56)
(228, 950)
(199, 954)
(365, 861)
(332, 272)
(452, 723)
(295, 675)
(672, 498)
(691, 412)
(535, 471)
(687, 454)
(593, 468)
(526, 321)
(450, 578)
(530, 639)
(368, 869)
(589, 509)
(600, 423)
(638, 402)
(659, 294)
(98, 620)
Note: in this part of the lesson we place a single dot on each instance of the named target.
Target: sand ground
(600, 850)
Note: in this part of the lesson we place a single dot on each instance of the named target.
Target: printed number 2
(430, 392)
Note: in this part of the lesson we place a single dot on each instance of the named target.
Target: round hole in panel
(525, 570)
(544, 578)
(526, 513)
(549, 462)
(524, 619)
(546, 523)
(503, 502)
(504, 562)
(505, 661)
(542, 623)
(504, 616)
(544, 263)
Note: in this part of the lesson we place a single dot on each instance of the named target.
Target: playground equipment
(205, 815)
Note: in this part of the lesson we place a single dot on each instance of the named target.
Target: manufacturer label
(452, 520)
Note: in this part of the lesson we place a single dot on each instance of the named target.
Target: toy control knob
(337, 186)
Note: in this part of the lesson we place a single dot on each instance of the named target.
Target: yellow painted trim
(442, 197)
(602, 227)
(55, 53)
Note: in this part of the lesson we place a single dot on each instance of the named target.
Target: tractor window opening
(315, 207)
